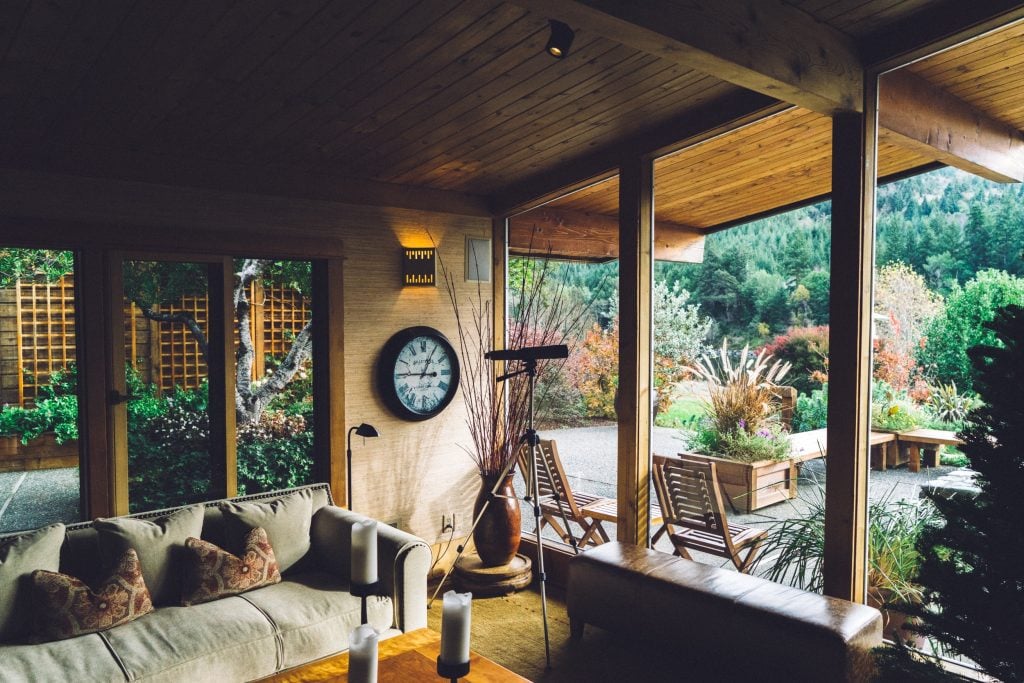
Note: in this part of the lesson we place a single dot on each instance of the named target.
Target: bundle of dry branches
(541, 312)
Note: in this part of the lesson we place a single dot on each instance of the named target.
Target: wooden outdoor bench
(736, 624)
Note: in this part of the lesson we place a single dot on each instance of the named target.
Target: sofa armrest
(403, 561)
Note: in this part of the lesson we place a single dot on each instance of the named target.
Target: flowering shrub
(679, 334)
(169, 447)
(594, 370)
(806, 349)
(275, 452)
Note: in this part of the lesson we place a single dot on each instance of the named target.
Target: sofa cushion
(68, 607)
(19, 557)
(226, 640)
(286, 520)
(315, 613)
(85, 658)
(213, 573)
(160, 545)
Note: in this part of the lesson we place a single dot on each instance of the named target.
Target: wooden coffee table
(409, 657)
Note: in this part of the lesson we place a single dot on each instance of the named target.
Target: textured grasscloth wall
(415, 471)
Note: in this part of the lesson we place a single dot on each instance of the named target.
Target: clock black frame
(386, 371)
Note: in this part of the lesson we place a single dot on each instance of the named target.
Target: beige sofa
(307, 616)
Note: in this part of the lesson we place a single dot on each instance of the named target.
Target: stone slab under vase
(486, 582)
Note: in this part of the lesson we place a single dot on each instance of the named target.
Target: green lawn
(680, 412)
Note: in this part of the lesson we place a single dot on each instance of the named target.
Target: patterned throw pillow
(214, 573)
(69, 608)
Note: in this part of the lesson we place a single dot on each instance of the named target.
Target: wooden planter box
(41, 453)
(754, 485)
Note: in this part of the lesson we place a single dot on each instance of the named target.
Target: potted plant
(795, 548)
(892, 411)
(741, 431)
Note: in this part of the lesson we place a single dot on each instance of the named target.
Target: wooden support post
(636, 245)
(117, 412)
(329, 378)
(95, 461)
(221, 369)
(854, 163)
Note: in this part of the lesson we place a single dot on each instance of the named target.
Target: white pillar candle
(364, 552)
(362, 655)
(455, 618)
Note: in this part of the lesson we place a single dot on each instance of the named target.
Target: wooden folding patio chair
(691, 500)
(584, 509)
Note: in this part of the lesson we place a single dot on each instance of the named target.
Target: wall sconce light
(418, 268)
(560, 40)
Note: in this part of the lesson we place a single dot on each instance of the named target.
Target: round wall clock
(417, 373)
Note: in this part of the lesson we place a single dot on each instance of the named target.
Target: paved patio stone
(37, 498)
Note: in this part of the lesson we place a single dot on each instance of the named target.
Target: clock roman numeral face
(422, 375)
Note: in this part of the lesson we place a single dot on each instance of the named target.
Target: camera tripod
(533, 497)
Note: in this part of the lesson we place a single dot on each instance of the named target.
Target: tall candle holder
(364, 591)
(453, 672)
(453, 660)
(364, 581)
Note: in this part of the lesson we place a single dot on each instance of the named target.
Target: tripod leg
(462, 548)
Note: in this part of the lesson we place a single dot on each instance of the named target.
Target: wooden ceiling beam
(577, 235)
(725, 114)
(915, 114)
(279, 180)
(766, 46)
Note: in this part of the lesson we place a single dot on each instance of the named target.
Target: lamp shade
(366, 430)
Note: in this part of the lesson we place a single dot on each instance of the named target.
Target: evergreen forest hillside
(762, 278)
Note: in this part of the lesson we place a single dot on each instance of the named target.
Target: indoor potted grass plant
(741, 431)
(795, 548)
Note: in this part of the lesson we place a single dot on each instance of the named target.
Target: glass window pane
(165, 336)
(39, 476)
(274, 411)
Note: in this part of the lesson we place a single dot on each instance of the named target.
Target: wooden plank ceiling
(454, 97)
(448, 94)
(785, 159)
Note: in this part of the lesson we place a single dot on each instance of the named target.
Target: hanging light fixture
(560, 40)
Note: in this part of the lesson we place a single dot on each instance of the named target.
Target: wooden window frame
(99, 307)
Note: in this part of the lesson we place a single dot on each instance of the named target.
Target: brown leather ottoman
(721, 618)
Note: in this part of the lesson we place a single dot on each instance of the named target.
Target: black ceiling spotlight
(560, 40)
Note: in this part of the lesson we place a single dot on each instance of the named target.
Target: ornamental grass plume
(741, 392)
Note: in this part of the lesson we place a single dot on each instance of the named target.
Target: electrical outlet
(447, 522)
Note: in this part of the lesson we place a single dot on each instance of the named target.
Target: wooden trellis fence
(37, 336)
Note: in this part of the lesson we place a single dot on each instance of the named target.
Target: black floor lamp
(364, 430)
